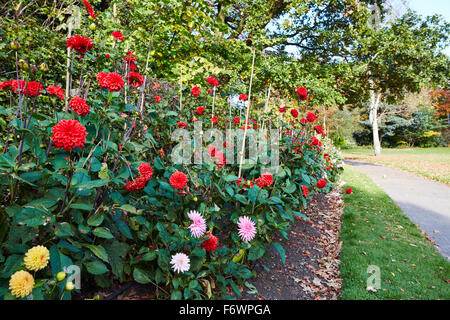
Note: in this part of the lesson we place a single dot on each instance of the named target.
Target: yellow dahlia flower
(36, 258)
(21, 284)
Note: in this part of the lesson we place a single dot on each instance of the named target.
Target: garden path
(425, 202)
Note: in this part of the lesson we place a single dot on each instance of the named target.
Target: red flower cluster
(200, 110)
(5, 85)
(310, 117)
(80, 43)
(80, 106)
(243, 97)
(130, 59)
(212, 81)
(348, 191)
(89, 9)
(237, 120)
(294, 113)
(56, 90)
(265, 180)
(303, 121)
(110, 81)
(283, 109)
(314, 141)
(32, 88)
(178, 180)
(146, 173)
(118, 35)
(245, 184)
(321, 184)
(302, 93)
(68, 134)
(305, 191)
(135, 79)
(318, 129)
(158, 99)
(195, 91)
(211, 243)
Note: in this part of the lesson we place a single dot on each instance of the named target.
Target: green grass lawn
(433, 163)
(376, 232)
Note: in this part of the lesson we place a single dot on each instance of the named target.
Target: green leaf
(96, 219)
(102, 233)
(81, 206)
(99, 251)
(280, 250)
(96, 267)
(141, 276)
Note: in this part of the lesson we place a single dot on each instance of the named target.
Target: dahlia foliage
(87, 177)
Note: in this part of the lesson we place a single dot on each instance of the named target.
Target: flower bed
(88, 184)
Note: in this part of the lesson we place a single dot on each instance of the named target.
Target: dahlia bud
(33, 68)
(69, 286)
(14, 45)
(43, 67)
(24, 65)
(60, 276)
(92, 27)
(195, 199)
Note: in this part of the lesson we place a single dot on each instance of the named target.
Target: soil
(311, 271)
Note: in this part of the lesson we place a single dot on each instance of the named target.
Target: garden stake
(246, 115)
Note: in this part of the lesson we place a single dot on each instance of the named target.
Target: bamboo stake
(181, 89)
(214, 99)
(69, 33)
(246, 114)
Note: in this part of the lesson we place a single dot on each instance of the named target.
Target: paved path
(425, 202)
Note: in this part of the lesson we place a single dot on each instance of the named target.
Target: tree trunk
(373, 117)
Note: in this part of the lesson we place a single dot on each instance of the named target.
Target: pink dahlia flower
(247, 229)
(180, 262)
(198, 227)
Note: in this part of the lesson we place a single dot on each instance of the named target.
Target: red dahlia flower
(89, 9)
(294, 113)
(178, 180)
(110, 81)
(135, 79)
(314, 141)
(214, 119)
(237, 120)
(212, 150)
(80, 43)
(5, 85)
(145, 170)
(321, 184)
(212, 81)
(283, 109)
(200, 110)
(56, 90)
(303, 121)
(305, 191)
(181, 124)
(310, 117)
(302, 93)
(318, 129)
(195, 91)
(243, 97)
(68, 134)
(80, 106)
(348, 191)
(118, 35)
(158, 99)
(137, 184)
(211, 243)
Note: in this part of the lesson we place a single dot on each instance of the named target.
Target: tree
(398, 57)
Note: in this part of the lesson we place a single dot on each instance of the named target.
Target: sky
(430, 7)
